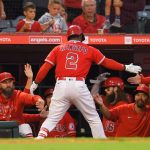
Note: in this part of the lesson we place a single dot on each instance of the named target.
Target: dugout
(123, 48)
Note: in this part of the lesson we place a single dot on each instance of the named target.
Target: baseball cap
(49, 91)
(75, 30)
(142, 88)
(6, 75)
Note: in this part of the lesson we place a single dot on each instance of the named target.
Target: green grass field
(76, 144)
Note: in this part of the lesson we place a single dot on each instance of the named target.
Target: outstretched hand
(28, 71)
(102, 77)
(134, 80)
(133, 68)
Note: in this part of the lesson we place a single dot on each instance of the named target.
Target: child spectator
(53, 22)
(28, 24)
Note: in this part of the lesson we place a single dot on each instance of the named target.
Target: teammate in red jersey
(28, 24)
(115, 96)
(73, 61)
(138, 79)
(12, 103)
(133, 119)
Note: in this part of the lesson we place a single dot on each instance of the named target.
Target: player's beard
(8, 91)
(111, 99)
(140, 104)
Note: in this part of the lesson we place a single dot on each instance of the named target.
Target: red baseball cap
(114, 81)
(49, 91)
(6, 75)
(75, 30)
(142, 88)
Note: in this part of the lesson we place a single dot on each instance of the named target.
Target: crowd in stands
(55, 16)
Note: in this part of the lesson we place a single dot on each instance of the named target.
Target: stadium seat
(9, 129)
(9, 30)
(4, 24)
(15, 21)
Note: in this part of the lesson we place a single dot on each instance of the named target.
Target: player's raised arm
(114, 65)
(29, 74)
(40, 76)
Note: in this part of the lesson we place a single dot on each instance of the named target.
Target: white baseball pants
(69, 92)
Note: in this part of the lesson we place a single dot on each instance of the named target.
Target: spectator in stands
(133, 119)
(89, 20)
(28, 24)
(128, 15)
(12, 103)
(52, 21)
(139, 79)
(2, 11)
(41, 7)
(115, 96)
(73, 9)
(116, 23)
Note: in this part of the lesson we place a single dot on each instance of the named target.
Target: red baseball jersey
(110, 127)
(74, 59)
(64, 128)
(88, 27)
(35, 27)
(131, 123)
(12, 108)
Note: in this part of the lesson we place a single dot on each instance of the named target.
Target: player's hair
(83, 3)
(28, 5)
(55, 2)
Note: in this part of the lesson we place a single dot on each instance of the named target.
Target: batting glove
(102, 77)
(33, 88)
(133, 68)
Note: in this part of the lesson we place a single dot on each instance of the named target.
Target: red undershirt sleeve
(43, 72)
(145, 80)
(112, 64)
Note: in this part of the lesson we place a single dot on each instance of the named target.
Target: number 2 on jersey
(71, 61)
